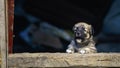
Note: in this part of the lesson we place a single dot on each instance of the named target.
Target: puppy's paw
(82, 51)
(86, 51)
(70, 51)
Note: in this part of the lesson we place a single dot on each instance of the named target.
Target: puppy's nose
(78, 34)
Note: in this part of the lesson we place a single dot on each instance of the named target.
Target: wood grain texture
(3, 34)
(64, 60)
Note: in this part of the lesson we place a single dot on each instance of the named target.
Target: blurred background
(46, 25)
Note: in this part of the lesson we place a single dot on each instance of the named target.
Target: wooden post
(3, 33)
(10, 24)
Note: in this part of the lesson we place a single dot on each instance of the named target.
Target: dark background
(60, 13)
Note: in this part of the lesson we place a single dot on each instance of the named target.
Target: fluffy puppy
(83, 39)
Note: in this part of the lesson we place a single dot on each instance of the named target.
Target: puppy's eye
(82, 28)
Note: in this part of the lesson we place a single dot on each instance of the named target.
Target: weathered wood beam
(64, 60)
(3, 33)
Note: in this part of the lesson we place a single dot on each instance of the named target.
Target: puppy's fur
(83, 39)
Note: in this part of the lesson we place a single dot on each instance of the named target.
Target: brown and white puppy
(83, 39)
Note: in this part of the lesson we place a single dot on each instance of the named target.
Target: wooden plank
(3, 34)
(24, 60)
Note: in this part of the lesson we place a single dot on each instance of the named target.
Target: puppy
(83, 39)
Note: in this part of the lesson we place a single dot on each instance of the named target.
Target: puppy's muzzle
(79, 33)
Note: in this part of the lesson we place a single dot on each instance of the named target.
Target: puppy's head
(82, 31)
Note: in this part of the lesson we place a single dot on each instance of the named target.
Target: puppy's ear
(73, 28)
(91, 30)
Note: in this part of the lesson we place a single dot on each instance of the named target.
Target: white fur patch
(82, 51)
(69, 51)
(87, 49)
(78, 40)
